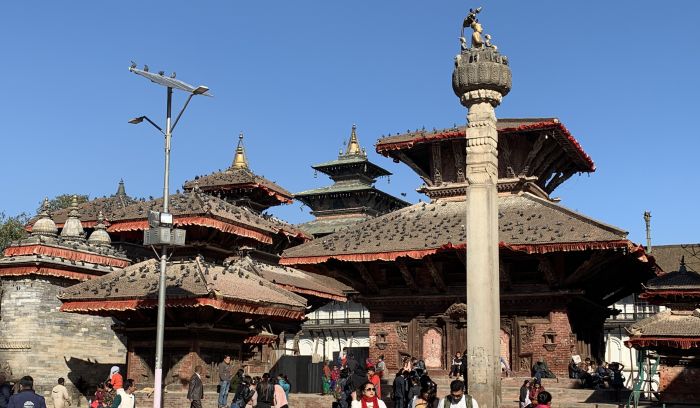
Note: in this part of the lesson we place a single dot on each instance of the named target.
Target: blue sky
(295, 76)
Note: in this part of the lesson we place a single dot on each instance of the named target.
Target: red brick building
(559, 269)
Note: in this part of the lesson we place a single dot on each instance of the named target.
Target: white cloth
(461, 404)
(358, 404)
(127, 400)
(60, 396)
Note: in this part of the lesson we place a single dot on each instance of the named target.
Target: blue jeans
(223, 392)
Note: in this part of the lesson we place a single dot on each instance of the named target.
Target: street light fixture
(161, 232)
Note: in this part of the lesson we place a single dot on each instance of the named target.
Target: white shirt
(461, 404)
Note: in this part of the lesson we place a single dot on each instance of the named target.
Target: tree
(63, 201)
(12, 228)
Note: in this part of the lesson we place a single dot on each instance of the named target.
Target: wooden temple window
(381, 341)
(550, 337)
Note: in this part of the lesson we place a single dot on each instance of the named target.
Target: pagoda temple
(225, 292)
(559, 269)
(352, 198)
(35, 336)
(672, 336)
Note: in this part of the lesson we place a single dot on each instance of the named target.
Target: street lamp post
(161, 232)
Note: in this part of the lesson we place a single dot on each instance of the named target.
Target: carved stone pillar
(481, 78)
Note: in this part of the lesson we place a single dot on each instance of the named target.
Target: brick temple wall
(527, 341)
(678, 380)
(532, 343)
(39, 340)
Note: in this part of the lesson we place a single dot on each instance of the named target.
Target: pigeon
(133, 65)
(161, 73)
(172, 75)
(145, 68)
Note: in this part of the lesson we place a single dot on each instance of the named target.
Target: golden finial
(353, 144)
(239, 161)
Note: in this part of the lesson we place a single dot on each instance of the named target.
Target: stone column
(480, 79)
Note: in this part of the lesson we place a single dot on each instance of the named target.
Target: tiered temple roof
(68, 255)
(190, 284)
(540, 151)
(239, 185)
(196, 208)
(677, 327)
(527, 223)
(352, 197)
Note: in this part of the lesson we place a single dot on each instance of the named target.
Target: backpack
(448, 401)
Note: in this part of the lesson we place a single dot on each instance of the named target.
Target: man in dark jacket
(266, 392)
(195, 393)
(26, 397)
(5, 391)
(400, 390)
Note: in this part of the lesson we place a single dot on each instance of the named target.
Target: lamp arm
(181, 112)
(154, 124)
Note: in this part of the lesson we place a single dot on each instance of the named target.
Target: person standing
(326, 379)
(458, 398)
(400, 390)
(280, 396)
(524, 397)
(456, 366)
(253, 401)
(374, 379)
(5, 391)
(26, 397)
(380, 367)
(116, 379)
(195, 392)
(125, 396)
(225, 373)
(59, 394)
(283, 382)
(368, 397)
(266, 392)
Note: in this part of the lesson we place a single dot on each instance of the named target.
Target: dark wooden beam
(546, 268)
(533, 153)
(407, 275)
(410, 163)
(436, 274)
(458, 150)
(367, 277)
(436, 162)
(462, 256)
(598, 259)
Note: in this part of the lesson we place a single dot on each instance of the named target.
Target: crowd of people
(267, 391)
(597, 375)
(113, 393)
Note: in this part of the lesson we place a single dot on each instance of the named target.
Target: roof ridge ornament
(239, 160)
(121, 191)
(73, 228)
(99, 236)
(44, 225)
(353, 144)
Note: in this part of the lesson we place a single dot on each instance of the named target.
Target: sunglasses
(370, 389)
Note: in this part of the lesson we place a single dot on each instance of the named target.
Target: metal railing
(335, 321)
(642, 384)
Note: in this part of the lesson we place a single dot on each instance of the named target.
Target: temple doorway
(432, 348)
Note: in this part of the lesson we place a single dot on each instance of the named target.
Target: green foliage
(63, 201)
(12, 228)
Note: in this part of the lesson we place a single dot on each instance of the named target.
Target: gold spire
(353, 144)
(239, 161)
